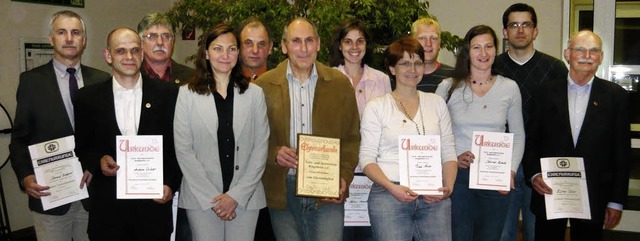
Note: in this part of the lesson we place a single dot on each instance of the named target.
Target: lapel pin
(595, 103)
(177, 81)
(147, 105)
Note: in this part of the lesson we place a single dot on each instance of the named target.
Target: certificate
(356, 211)
(318, 172)
(491, 169)
(568, 180)
(140, 160)
(56, 165)
(420, 163)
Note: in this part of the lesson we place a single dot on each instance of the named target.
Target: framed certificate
(567, 178)
(491, 169)
(420, 162)
(318, 173)
(141, 174)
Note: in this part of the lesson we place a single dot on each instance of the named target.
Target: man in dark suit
(158, 38)
(126, 104)
(586, 117)
(44, 112)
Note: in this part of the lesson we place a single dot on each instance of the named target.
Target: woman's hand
(446, 192)
(465, 159)
(225, 207)
(402, 194)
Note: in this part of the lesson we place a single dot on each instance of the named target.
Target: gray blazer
(195, 134)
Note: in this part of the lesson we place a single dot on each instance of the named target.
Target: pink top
(374, 83)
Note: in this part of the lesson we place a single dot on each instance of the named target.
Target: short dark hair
(252, 22)
(336, 57)
(462, 70)
(519, 7)
(396, 50)
(203, 82)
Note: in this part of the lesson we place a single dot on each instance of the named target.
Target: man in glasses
(158, 38)
(307, 97)
(530, 69)
(255, 47)
(581, 115)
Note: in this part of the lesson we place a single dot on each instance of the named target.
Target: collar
(313, 76)
(117, 88)
(523, 62)
(153, 75)
(572, 83)
(61, 69)
(251, 75)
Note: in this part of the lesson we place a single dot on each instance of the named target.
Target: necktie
(73, 83)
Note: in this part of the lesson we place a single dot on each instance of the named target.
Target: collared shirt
(301, 103)
(128, 104)
(252, 76)
(373, 83)
(62, 77)
(578, 98)
(153, 75)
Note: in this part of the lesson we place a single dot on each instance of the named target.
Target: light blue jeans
(520, 200)
(476, 214)
(304, 220)
(392, 220)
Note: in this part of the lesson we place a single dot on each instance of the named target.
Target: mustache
(160, 48)
(69, 45)
(584, 60)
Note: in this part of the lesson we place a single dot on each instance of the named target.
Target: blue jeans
(476, 214)
(392, 220)
(520, 201)
(304, 220)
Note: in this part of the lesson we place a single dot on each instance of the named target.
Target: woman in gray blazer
(221, 132)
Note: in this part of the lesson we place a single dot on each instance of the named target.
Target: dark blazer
(96, 130)
(41, 116)
(335, 114)
(180, 74)
(604, 141)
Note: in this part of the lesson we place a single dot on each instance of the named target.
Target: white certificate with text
(567, 178)
(491, 169)
(56, 165)
(356, 211)
(140, 160)
(420, 163)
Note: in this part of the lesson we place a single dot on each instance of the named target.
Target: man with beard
(44, 111)
(158, 39)
(530, 69)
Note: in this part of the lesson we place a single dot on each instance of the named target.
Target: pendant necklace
(406, 114)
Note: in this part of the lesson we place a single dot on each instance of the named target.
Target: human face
(429, 38)
(408, 71)
(353, 47)
(68, 39)
(157, 50)
(301, 45)
(222, 54)
(124, 54)
(482, 52)
(520, 31)
(256, 46)
(584, 53)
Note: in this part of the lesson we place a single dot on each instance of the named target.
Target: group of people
(230, 130)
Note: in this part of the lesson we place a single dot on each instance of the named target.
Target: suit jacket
(196, 140)
(41, 116)
(180, 74)
(335, 114)
(604, 141)
(96, 130)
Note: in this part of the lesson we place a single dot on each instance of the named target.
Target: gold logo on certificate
(318, 173)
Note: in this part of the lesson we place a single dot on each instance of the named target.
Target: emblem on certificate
(140, 160)
(318, 173)
(567, 178)
(491, 169)
(420, 162)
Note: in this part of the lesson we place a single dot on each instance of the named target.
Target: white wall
(458, 16)
(26, 20)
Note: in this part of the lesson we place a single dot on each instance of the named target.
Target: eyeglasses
(583, 51)
(154, 36)
(220, 49)
(297, 42)
(525, 25)
(408, 64)
(249, 44)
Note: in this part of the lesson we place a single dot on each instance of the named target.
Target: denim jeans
(520, 201)
(304, 220)
(476, 214)
(392, 220)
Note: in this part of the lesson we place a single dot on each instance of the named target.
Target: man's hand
(167, 195)
(340, 199)
(287, 157)
(541, 187)
(612, 218)
(86, 179)
(108, 165)
(32, 188)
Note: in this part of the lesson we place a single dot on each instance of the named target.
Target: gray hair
(153, 19)
(68, 14)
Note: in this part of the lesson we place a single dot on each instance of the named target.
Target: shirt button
(227, 156)
(237, 167)
(359, 91)
(303, 105)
